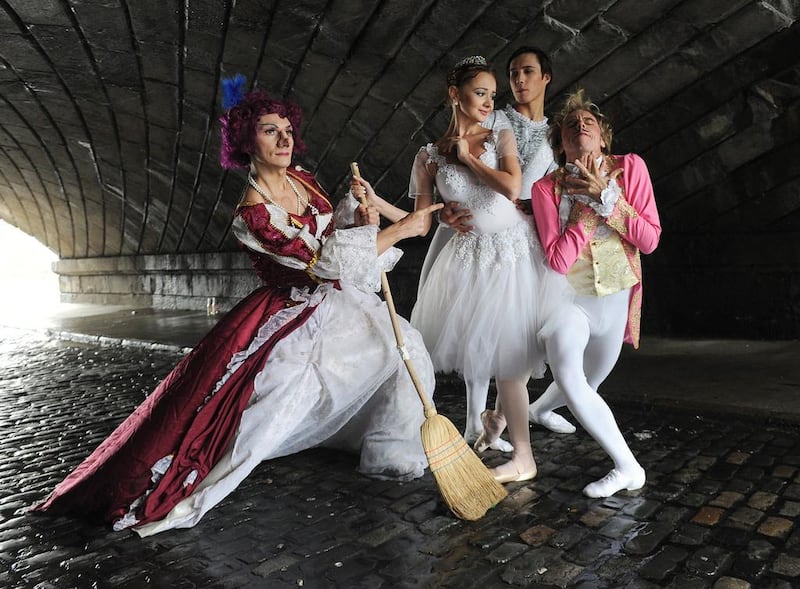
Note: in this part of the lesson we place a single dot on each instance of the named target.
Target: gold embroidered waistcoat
(602, 268)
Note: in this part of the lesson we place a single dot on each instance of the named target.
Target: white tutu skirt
(336, 381)
(484, 301)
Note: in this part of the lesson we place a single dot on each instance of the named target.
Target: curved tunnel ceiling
(109, 142)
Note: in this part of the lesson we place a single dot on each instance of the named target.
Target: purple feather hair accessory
(233, 90)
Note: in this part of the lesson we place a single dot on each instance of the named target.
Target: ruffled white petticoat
(336, 381)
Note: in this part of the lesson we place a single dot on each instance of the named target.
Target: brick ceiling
(109, 142)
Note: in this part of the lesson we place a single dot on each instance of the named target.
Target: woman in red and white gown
(308, 359)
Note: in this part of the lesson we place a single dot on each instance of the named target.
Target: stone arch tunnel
(109, 142)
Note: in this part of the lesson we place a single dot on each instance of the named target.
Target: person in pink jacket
(595, 215)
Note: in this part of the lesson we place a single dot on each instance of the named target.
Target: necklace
(301, 206)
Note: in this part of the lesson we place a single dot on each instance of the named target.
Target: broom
(466, 485)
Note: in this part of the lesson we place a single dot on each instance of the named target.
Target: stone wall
(171, 281)
(717, 285)
(186, 281)
(724, 285)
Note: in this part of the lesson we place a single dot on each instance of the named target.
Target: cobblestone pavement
(718, 510)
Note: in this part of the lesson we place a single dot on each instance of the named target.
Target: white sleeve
(505, 143)
(421, 181)
(345, 213)
(497, 121)
(350, 255)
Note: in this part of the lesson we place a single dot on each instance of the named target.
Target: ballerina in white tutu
(475, 306)
(530, 72)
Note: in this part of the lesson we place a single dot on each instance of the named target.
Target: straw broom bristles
(466, 485)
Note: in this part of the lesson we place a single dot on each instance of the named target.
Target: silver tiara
(471, 60)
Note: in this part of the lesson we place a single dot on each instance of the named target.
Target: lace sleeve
(350, 255)
(344, 215)
(421, 182)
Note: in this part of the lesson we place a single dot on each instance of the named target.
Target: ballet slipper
(550, 420)
(514, 476)
(499, 444)
(493, 425)
(629, 479)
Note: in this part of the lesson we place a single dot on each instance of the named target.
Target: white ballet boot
(550, 420)
(630, 479)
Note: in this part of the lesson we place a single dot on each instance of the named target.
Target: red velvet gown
(307, 359)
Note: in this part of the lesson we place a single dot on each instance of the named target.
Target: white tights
(582, 349)
(477, 394)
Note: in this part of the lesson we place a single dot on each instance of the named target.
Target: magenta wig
(238, 126)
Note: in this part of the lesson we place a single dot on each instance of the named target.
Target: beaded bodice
(491, 210)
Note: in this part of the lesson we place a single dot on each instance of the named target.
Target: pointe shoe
(493, 426)
(616, 480)
(551, 420)
(515, 476)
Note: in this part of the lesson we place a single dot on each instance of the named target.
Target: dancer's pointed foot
(630, 479)
(493, 425)
(511, 472)
(551, 420)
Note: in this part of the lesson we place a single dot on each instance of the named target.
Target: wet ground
(715, 425)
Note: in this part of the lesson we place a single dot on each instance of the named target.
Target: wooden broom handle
(357, 174)
(398, 335)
